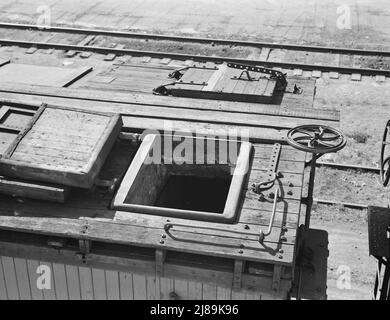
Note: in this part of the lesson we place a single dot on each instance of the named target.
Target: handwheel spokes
(306, 132)
(316, 138)
(319, 143)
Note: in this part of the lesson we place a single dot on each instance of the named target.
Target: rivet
(241, 251)
(246, 227)
(162, 241)
(291, 185)
(290, 193)
(163, 236)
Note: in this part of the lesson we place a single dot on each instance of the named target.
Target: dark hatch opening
(195, 193)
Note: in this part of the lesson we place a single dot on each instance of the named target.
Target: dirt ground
(364, 110)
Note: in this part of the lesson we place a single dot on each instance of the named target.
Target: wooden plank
(22, 278)
(216, 77)
(126, 286)
(137, 235)
(237, 274)
(73, 281)
(167, 288)
(10, 278)
(61, 286)
(141, 123)
(263, 151)
(44, 75)
(252, 295)
(112, 284)
(224, 293)
(207, 275)
(33, 190)
(209, 291)
(32, 266)
(3, 288)
(139, 286)
(151, 287)
(278, 270)
(160, 259)
(86, 283)
(195, 290)
(181, 289)
(286, 108)
(99, 284)
(238, 294)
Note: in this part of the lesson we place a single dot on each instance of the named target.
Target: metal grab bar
(262, 235)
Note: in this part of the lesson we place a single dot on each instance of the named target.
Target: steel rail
(342, 166)
(126, 34)
(351, 205)
(183, 56)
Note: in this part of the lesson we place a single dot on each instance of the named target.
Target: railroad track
(357, 62)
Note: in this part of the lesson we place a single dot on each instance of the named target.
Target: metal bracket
(56, 243)
(109, 184)
(162, 90)
(176, 74)
(314, 155)
(85, 246)
(192, 83)
(249, 77)
(272, 173)
(280, 77)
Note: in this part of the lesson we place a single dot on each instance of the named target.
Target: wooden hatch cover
(228, 81)
(41, 75)
(53, 144)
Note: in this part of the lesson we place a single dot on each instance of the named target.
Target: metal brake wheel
(385, 160)
(317, 139)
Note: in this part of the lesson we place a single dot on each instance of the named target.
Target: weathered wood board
(77, 282)
(13, 119)
(33, 190)
(224, 83)
(64, 146)
(43, 75)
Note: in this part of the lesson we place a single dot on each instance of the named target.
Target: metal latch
(272, 173)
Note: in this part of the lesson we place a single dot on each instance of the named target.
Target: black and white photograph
(200, 155)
